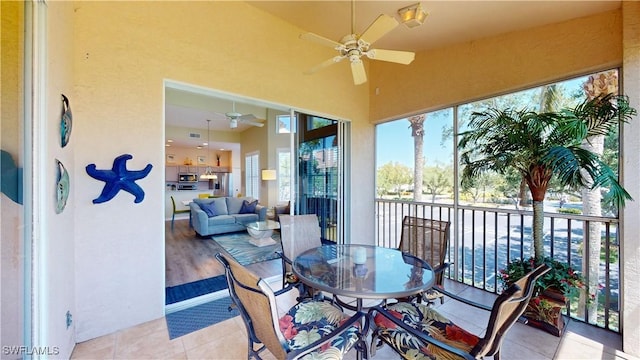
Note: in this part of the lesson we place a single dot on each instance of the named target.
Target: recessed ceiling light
(169, 140)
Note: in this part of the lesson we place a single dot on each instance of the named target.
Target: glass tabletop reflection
(363, 271)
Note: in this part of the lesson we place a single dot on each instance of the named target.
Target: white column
(630, 244)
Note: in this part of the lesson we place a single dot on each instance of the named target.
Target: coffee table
(261, 231)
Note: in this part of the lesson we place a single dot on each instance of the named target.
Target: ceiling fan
(235, 117)
(354, 46)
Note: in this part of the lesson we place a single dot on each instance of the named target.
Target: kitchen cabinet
(192, 169)
(171, 173)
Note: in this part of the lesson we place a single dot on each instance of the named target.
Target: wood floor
(190, 258)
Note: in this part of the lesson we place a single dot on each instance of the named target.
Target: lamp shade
(268, 174)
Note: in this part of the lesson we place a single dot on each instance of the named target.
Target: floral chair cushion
(427, 320)
(310, 320)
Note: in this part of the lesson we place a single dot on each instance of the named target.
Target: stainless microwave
(187, 178)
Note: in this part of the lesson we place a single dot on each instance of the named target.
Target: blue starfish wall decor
(119, 178)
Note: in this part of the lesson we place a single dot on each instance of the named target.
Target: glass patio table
(363, 272)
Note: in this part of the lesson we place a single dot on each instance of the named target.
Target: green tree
(391, 176)
(437, 180)
(543, 145)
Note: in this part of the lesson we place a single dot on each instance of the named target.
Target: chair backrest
(507, 308)
(257, 305)
(173, 203)
(426, 239)
(298, 233)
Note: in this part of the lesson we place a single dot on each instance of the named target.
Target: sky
(394, 142)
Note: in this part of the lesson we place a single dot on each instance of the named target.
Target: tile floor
(228, 340)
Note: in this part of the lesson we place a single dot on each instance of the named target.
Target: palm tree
(543, 145)
(602, 83)
(417, 131)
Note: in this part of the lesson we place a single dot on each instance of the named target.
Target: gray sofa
(227, 216)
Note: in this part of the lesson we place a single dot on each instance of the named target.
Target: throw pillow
(209, 209)
(248, 207)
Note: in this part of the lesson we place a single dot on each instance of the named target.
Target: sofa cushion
(221, 220)
(220, 205)
(209, 209)
(234, 204)
(248, 207)
(246, 218)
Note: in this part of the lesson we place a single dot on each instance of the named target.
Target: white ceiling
(449, 22)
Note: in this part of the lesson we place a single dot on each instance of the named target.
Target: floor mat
(238, 245)
(190, 290)
(198, 317)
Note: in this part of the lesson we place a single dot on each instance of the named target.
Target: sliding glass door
(322, 172)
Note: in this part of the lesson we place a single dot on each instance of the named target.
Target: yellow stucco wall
(508, 62)
(122, 53)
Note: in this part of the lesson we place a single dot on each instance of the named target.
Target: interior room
(92, 92)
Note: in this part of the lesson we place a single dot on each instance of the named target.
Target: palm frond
(567, 163)
(568, 130)
(617, 195)
(603, 112)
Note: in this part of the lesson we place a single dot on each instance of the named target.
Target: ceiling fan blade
(252, 123)
(247, 117)
(383, 24)
(402, 57)
(324, 64)
(321, 40)
(357, 69)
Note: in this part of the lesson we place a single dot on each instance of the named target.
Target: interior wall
(57, 277)
(122, 53)
(254, 140)
(12, 261)
(491, 66)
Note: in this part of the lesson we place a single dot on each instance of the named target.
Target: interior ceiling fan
(235, 117)
(353, 46)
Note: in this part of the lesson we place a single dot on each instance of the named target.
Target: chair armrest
(299, 353)
(418, 334)
(261, 211)
(441, 268)
(465, 301)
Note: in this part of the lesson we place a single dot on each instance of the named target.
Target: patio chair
(331, 332)
(298, 233)
(412, 328)
(428, 240)
(173, 214)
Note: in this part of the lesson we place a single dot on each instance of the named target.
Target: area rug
(238, 246)
(174, 294)
(199, 317)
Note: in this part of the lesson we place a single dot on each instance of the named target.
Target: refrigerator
(222, 185)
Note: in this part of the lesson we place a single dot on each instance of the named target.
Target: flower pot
(545, 312)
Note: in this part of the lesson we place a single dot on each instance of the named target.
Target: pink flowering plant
(561, 277)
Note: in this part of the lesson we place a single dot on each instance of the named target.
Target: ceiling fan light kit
(413, 15)
(235, 117)
(353, 46)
